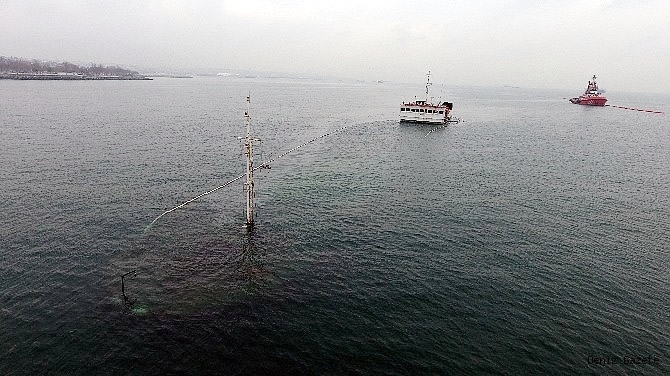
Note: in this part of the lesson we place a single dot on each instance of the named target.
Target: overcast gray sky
(529, 43)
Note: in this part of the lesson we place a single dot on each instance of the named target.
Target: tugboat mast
(594, 86)
(249, 185)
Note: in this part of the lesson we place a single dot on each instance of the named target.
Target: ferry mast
(428, 83)
(249, 185)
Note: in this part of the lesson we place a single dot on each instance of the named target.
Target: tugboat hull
(589, 101)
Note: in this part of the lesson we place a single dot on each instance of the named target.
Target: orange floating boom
(636, 109)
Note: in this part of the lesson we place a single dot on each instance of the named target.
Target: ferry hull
(424, 120)
(422, 113)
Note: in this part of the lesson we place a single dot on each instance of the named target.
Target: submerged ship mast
(249, 151)
(249, 185)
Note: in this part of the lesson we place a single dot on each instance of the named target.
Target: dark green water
(530, 239)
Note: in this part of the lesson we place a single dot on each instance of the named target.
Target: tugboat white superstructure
(425, 111)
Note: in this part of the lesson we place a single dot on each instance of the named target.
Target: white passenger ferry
(425, 111)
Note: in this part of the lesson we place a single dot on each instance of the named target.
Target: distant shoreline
(67, 76)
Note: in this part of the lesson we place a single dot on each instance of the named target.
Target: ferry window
(402, 108)
(414, 110)
(441, 112)
(430, 111)
(422, 110)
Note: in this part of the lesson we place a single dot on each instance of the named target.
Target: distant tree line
(19, 65)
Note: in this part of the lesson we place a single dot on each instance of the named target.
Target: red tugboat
(592, 96)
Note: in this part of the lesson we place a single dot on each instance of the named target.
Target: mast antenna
(249, 151)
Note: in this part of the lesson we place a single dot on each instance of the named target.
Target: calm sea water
(534, 237)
